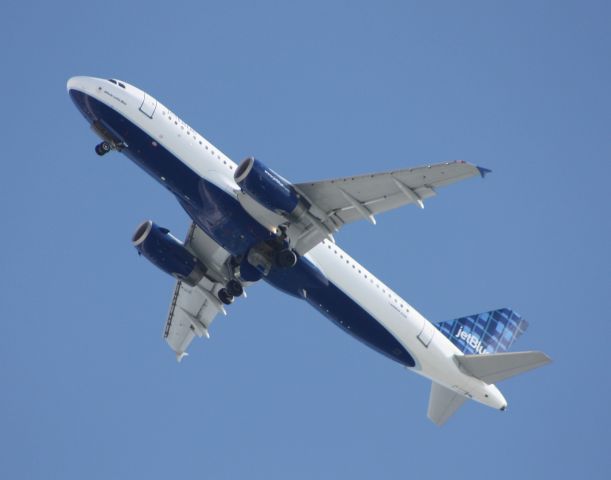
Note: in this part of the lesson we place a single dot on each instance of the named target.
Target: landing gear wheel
(286, 258)
(234, 288)
(225, 297)
(103, 148)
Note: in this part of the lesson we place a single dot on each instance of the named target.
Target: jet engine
(267, 187)
(168, 253)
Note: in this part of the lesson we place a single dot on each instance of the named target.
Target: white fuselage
(433, 352)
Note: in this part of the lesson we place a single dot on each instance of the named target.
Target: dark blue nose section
(84, 104)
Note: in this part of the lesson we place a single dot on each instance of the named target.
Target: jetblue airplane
(251, 224)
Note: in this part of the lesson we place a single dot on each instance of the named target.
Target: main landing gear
(225, 297)
(256, 264)
(103, 148)
(232, 289)
(286, 258)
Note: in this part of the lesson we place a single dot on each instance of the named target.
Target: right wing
(192, 311)
(194, 308)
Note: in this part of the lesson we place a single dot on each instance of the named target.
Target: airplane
(251, 224)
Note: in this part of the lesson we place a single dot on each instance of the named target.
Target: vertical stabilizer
(488, 332)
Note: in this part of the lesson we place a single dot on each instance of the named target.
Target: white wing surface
(194, 308)
(443, 403)
(192, 311)
(494, 367)
(337, 202)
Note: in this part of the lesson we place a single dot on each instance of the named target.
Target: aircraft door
(149, 104)
(426, 334)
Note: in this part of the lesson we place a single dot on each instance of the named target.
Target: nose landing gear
(111, 140)
(103, 148)
(106, 146)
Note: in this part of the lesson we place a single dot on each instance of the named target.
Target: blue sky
(315, 90)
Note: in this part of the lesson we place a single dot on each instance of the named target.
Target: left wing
(334, 203)
(194, 308)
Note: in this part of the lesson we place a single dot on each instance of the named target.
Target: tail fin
(488, 332)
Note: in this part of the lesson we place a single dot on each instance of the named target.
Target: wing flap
(191, 313)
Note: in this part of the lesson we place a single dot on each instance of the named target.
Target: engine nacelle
(168, 253)
(267, 187)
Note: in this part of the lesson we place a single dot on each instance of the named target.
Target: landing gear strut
(103, 148)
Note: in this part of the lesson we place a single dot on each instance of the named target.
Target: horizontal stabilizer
(494, 367)
(443, 403)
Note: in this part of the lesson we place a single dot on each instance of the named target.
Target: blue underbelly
(218, 214)
(221, 216)
(307, 282)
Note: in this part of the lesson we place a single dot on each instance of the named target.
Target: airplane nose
(81, 84)
(73, 83)
(82, 90)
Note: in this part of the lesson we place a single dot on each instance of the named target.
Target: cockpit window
(112, 80)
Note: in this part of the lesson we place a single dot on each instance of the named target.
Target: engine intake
(266, 187)
(168, 253)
